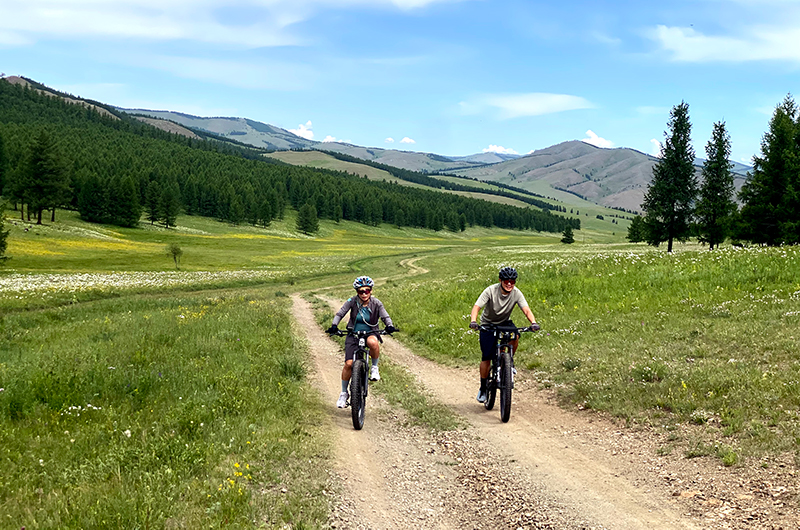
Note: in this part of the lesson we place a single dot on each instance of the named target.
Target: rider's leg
(347, 370)
(374, 346)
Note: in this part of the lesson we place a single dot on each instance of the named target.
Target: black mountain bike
(501, 372)
(359, 380)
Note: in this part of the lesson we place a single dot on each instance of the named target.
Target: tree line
(676, 206)
(114, 169)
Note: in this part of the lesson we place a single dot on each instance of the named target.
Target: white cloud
(499, 149)
(250, 25)
(328, 138)
(758, 43)
(655, 147)
(519, 105)
(389, 140)
(597, 141)
(304, 131)
(407, 140)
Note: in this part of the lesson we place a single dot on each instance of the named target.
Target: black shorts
(489, 341)
(351, 345)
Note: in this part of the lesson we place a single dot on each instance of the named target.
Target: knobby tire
(358, 394)
(506, 378)
(491, 389)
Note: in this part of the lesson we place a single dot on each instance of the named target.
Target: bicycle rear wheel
(506, 378)
(358, 394)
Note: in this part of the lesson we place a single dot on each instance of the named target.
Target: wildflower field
(136, 394)
(698, 337)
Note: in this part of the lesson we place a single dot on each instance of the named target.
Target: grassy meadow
(137, 394)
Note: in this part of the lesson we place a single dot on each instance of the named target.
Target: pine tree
(152, 199)
(3, 164)
(637, 231)
(3, 232)
(46, 184)
(669, 201)
(771, 195)
(568, 238)
(716, 208)
(169, 205)
(125, 203)
(307, 220)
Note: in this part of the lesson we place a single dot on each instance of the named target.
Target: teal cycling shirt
(362, 320)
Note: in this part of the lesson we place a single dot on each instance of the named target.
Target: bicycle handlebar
(342, 333)
(484, 327)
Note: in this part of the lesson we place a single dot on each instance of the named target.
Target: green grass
(186, 410)
(704, 338)
(196, 363)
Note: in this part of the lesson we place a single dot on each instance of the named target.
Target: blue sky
(453, 77)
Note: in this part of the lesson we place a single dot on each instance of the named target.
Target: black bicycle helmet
(508, 273)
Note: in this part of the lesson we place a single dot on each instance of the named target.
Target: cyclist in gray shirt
(497, 302)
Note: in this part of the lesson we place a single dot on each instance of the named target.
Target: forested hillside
(111, 168)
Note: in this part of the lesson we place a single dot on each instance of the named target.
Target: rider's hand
(390, 329)
(535, 327)
(473, 325)
(332, 330)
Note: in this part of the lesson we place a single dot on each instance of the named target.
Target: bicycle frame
(359, 380)
(501, 370)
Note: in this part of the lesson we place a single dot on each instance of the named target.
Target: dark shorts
(351, 345)
(489, 341)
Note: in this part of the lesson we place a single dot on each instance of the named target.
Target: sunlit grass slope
(698, 337)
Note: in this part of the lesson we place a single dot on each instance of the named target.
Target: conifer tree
(307, 220)
(169, 205)
(152, 200)
(46, 182)
(3, 231)
(669, 201)
(771, 195)
(716, 208)
(568, 238)
(637, 231)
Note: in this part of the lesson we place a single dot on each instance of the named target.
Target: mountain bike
(359, 380)
(501, 371)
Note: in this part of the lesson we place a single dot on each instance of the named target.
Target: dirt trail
(546, 468)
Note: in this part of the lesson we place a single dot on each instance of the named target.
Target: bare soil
(545, 468)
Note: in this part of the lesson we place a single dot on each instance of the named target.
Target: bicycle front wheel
(358, 393)
(491, 389)
(506, 385)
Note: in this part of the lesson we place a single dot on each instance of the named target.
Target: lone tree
(669, 201)
(716, 208)
(175, 252)
(568, 237)
(307, 221)
(771, 195)
(3, 232)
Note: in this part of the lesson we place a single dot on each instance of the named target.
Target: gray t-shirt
(497, 307)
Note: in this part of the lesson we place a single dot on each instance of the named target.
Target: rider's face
(364, 293)
(508, 285)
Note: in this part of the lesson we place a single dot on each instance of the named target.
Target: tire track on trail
(394, 476)
(567, 471)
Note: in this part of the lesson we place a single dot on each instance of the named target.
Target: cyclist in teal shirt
(365, 311)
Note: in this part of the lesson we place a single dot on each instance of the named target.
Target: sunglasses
(364, 291)
(512, 282)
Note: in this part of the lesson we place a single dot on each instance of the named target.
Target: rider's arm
(473, 317)
(382, 314)
(342, 311)
(529, 314)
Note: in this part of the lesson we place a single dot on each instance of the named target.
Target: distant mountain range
(616, 178)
